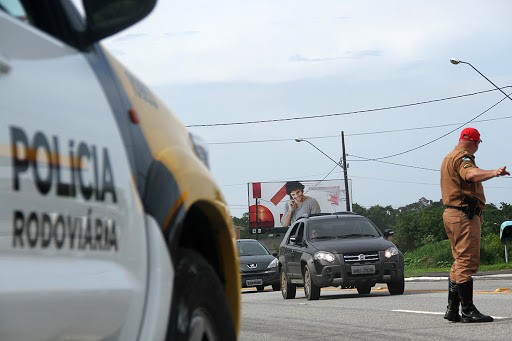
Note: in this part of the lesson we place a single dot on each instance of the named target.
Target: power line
(440, 137)
(391, 163)
(341, 113)
(357, 134)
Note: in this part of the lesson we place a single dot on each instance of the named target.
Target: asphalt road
(345, 315)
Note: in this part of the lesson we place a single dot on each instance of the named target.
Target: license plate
(252, 282)
(363, 269)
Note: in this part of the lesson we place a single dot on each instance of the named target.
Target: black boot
(452, 310)
(469, 311)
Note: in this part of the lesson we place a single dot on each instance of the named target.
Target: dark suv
(343, 250)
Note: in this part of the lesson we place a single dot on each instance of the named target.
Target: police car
(111, 226)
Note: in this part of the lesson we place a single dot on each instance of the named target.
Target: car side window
(14, 8)
(300, 233)
(291, 236)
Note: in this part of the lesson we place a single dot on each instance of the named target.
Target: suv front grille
(361, 257)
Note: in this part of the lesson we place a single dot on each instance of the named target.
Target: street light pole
(344, 166)
(455, 61)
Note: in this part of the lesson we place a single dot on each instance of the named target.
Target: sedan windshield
(251, 249)
(357, 227)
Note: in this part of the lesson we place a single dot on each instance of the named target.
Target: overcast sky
(340, 62)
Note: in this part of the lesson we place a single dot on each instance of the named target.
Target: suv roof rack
(344, 212)
(313, 215)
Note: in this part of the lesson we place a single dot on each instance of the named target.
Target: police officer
(463, 196)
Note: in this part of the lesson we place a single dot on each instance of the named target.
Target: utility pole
(344, 158)
(257, 225)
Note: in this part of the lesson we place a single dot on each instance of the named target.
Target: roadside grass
(437, 258)
(421, 272)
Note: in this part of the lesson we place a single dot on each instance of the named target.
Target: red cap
(470, 134)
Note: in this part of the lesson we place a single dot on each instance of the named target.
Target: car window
(342, 228)
(251, 249)
(299, 236)
(293, 232)
(14, 8)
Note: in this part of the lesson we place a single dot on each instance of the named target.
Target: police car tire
(199, 305)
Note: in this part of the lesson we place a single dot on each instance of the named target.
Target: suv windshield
(353, 227)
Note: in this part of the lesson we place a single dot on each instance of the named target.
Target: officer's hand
(502, 171)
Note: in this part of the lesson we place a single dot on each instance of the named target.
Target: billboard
(266, 200)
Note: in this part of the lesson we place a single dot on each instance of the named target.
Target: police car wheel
(199, 309)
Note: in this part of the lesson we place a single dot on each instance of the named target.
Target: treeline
(418, 224)
(421, 223)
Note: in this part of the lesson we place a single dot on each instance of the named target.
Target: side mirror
(388, 233)
(506, 232)
(105, 18)
(274, 254)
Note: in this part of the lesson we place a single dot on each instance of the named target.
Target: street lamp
(455, 61)
(298, 139)
(344, 166)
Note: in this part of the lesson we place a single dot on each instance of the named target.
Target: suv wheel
(397, 287)
(276, 287)
(287, 290)
(260, 287)
(311, 290)
(364, 289)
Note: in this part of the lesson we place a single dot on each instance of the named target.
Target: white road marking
(418, 312)
(437, 313)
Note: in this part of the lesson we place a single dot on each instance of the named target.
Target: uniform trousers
(464, 236)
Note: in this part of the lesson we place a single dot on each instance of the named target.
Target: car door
(72, 238)
(296, 251)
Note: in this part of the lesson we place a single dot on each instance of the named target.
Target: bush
(492, 250)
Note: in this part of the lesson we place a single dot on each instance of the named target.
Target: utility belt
(470, 211)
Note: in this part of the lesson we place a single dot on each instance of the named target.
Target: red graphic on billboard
(334, 199)
(265, 217)
(276, 199)
(256, 190)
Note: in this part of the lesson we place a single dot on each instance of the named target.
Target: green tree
(383, 217)
(243, 222)
(417, 228)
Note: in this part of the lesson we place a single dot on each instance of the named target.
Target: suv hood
(352, 245)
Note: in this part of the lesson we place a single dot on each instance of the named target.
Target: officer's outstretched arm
(480, 175)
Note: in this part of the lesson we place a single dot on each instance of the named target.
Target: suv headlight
(325, 256)
(273, 264)
(390, 252)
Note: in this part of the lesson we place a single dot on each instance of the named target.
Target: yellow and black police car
(111, 227)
